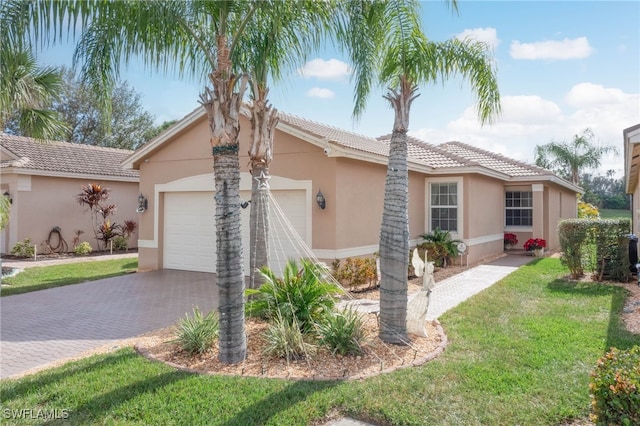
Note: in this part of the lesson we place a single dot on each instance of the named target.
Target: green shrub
(120, 243)
(82, 249)
(615, 388)
(284, 339)
(197, 334)
(574, 236)
(440, 246)
(343, 332)
(600, 246)
(23, 249)
(354, 272)
(302, 294)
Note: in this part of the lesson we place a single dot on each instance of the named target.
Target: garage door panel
(189, 229)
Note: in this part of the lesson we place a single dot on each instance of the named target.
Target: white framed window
(444, 197)
(518, 208)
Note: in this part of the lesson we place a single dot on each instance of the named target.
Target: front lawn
(519, 353)
(41, 277)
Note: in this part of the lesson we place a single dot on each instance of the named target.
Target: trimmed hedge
(615, 388)
(599, 246)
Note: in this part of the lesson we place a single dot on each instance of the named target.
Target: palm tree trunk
(259, 219)
(394, 232)
(223, 109)
(264, 119)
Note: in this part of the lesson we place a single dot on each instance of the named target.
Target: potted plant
(510, 240)
(536, 245)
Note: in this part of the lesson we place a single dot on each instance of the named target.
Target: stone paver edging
(444, 341)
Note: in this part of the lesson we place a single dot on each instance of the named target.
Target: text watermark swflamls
(35, 414)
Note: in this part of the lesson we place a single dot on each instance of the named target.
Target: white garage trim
(205, 183)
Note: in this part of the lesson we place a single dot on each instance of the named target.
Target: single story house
(631, 143)
(42, 180)
(475, 194)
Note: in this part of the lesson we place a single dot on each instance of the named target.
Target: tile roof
(493, 161)
(64, 157)
(447, 155)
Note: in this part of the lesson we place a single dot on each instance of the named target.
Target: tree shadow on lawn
(45, 378)
(617, 334)
(263, 410)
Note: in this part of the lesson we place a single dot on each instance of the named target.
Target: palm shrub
(440, 246)
(285, 339)
(343, 332)
(196, 334)
(302, 294)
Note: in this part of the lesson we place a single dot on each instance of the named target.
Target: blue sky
(562, 67)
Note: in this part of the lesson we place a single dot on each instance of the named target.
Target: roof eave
(48, 173)
(631, 137)
(133, 161)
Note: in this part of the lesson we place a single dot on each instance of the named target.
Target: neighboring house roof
(631, 136)
(25, 155)
(446, 158)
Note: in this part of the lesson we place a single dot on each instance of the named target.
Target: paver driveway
(43, 326)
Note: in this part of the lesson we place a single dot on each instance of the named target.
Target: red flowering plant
(534, 244)
(511, 239)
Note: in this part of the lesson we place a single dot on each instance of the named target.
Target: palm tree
(385, 40)
(197, 39)
(569, 159)
(266, 52)
(26, 90)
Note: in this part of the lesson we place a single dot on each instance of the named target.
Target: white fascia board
(163, 137)
(471, 169)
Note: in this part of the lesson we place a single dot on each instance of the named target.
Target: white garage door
(189, 229)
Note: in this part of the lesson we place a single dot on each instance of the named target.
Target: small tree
(95, 196)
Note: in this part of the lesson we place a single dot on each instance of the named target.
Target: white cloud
(527, 121)
(333, 69)
(577, 48)
(322, 93)
(587, 94)
(487, 35)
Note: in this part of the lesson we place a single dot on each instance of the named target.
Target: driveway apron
(44, 326)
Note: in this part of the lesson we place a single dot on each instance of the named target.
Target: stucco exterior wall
(484, 216)
(42, 202)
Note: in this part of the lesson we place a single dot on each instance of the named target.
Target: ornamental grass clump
(196, 334)
(284, 339)
(615, 388)
(343, 332)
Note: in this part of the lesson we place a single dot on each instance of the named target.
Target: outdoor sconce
(142, 203)
(322, 203)
(8, 197)
(244, 204)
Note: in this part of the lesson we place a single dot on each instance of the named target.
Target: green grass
(615, 214)
(519, 353)
(41, 277)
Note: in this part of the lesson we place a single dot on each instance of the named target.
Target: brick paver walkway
(44, 326)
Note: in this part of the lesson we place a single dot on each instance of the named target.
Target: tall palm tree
(26, 91)
(267, 51)
(569, 159)
(385, 40)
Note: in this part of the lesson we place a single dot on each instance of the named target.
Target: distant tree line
(128, 126)
(605, 192)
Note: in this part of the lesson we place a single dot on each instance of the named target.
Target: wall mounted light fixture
(8, 196)
(244, 204)
(142, 203)
(322, 203)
